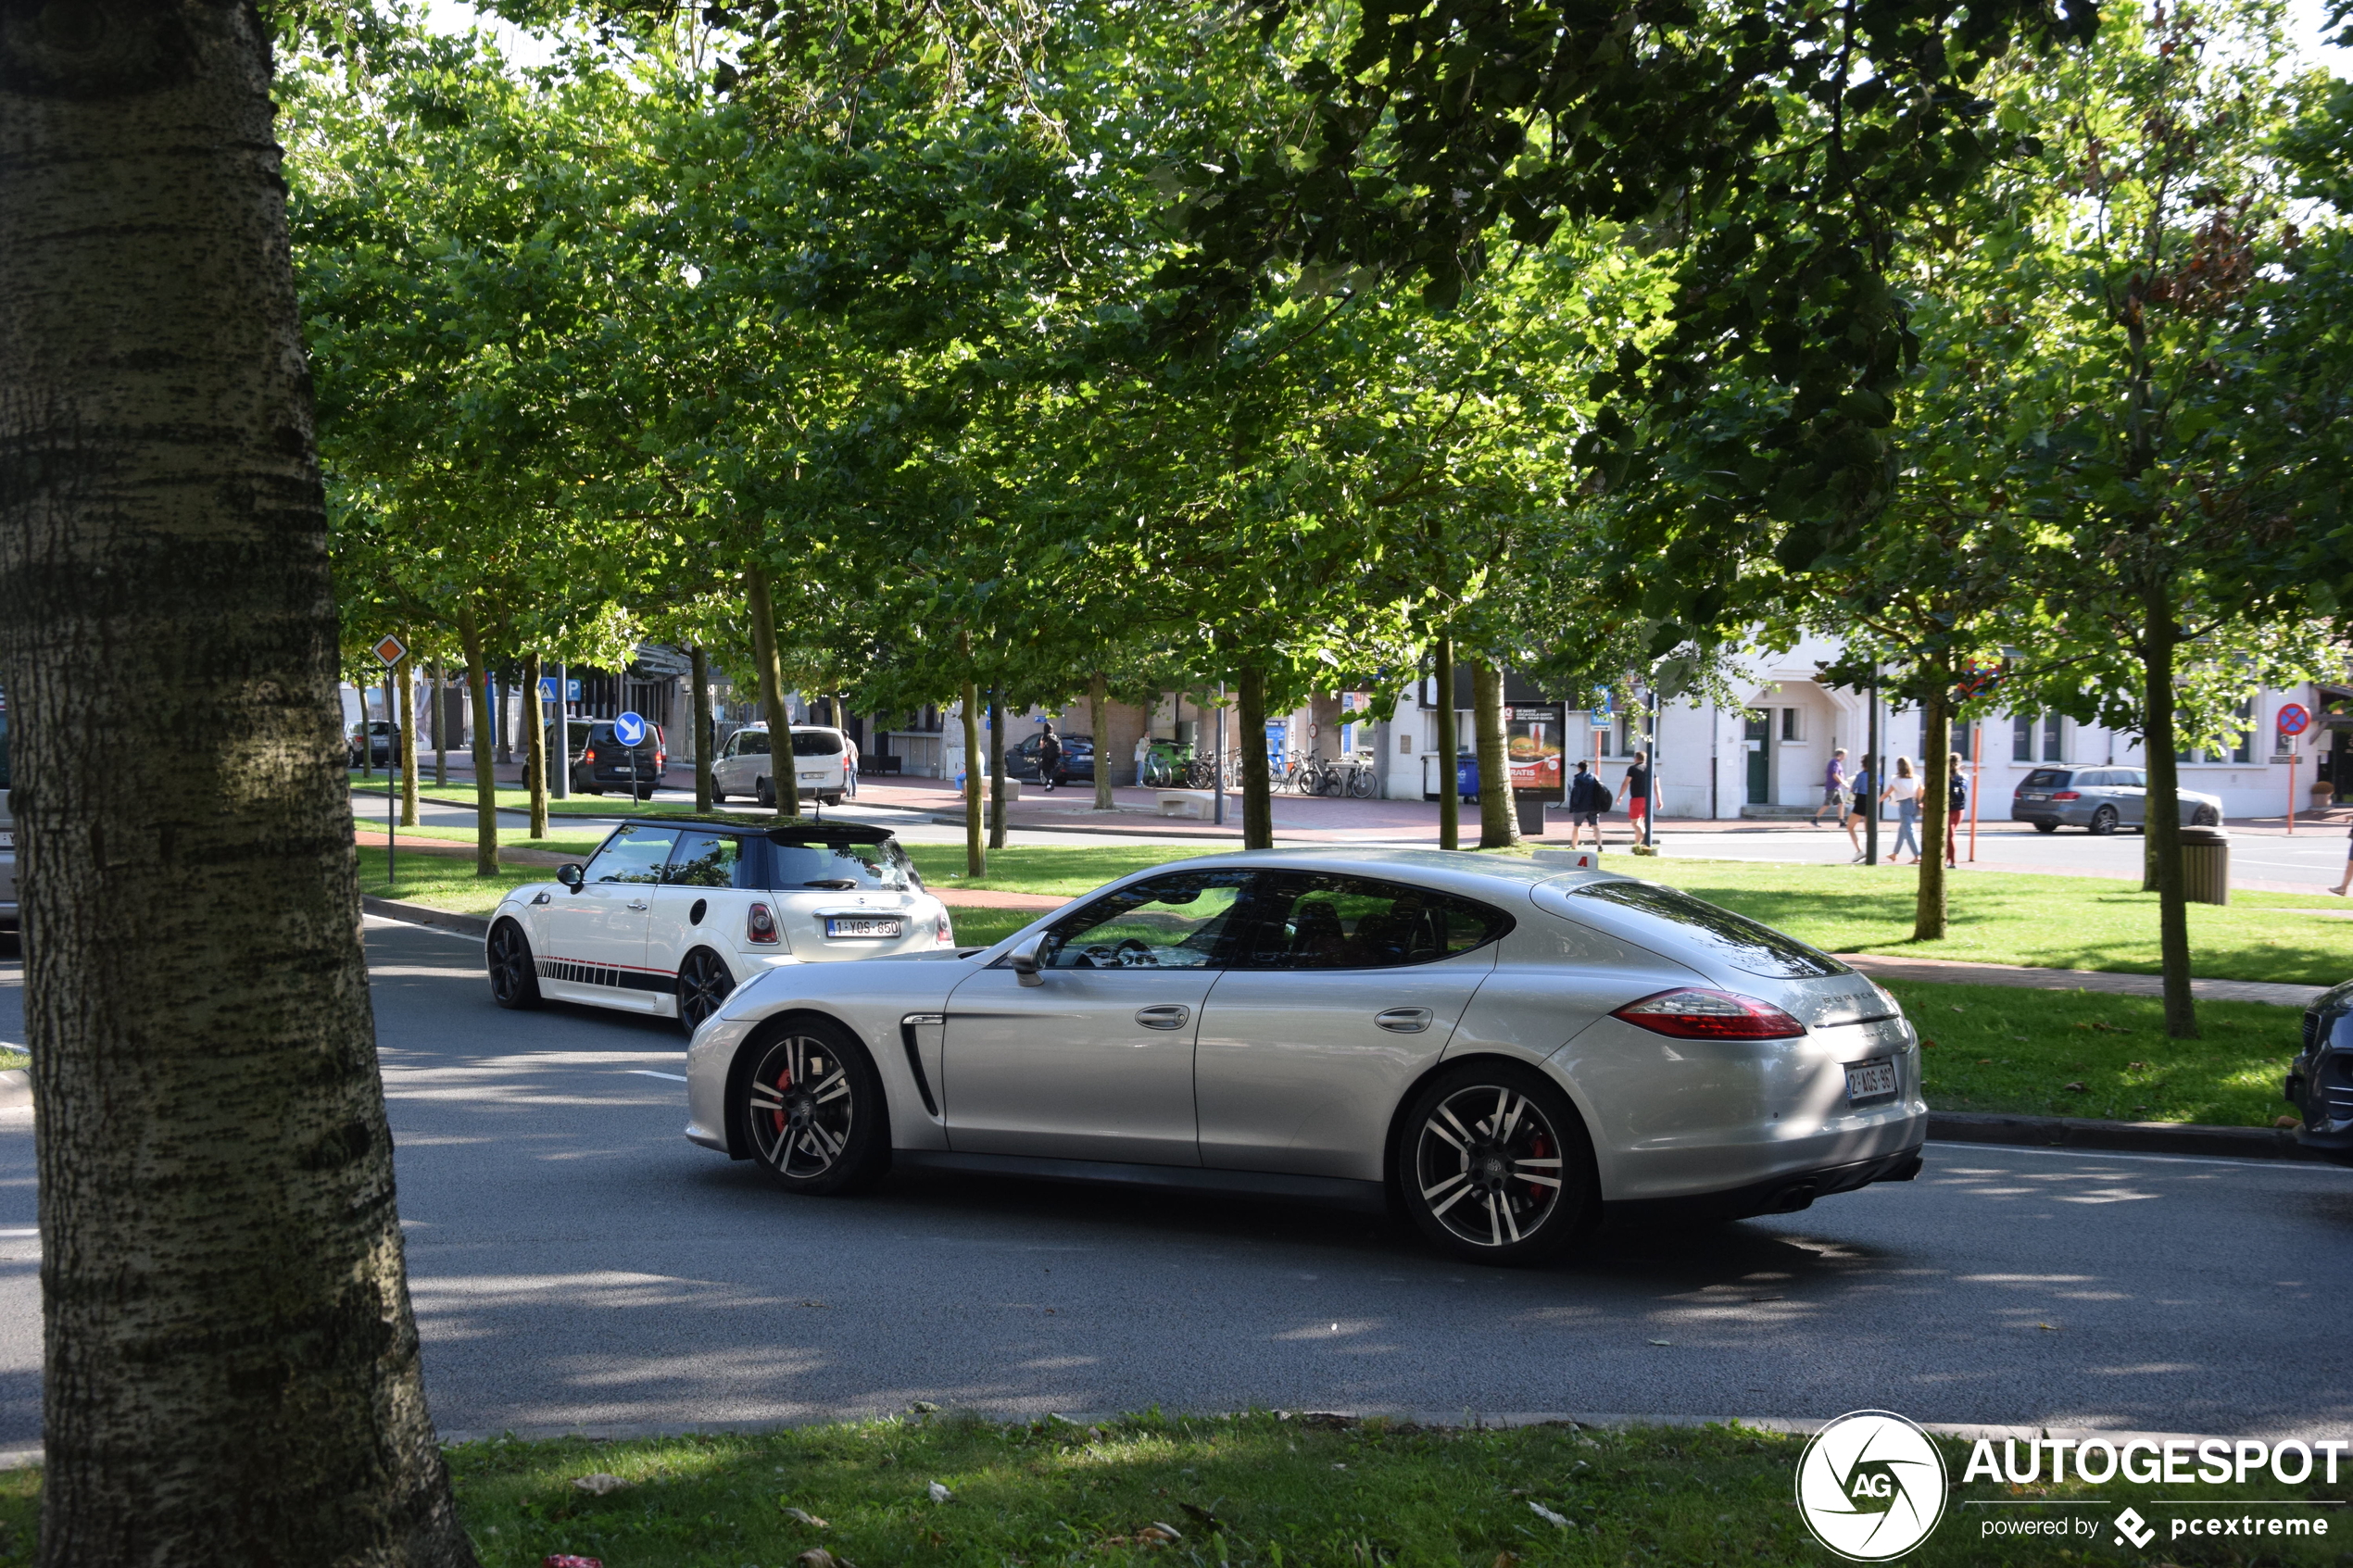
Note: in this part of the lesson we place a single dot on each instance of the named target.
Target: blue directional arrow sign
(629, 730)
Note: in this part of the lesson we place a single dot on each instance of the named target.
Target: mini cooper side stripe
(608, 975)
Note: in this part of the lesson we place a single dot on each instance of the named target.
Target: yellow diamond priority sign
(392, 650)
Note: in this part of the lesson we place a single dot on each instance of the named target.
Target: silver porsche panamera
(1502, 1049)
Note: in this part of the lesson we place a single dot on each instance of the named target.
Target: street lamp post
(1870, 753)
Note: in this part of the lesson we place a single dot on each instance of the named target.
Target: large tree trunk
(406, 674)
(995, 769)
(485, 778)
(975, 858)
(1936, 743)
(229, 1363)
(704, 729)
(1098, 698)
(535, 764)
(1450, 803)
(783, 773)
(2163, 813)
(1258, 788)
(1498, 825)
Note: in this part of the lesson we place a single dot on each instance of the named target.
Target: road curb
(2136, 1138)
(425, 914)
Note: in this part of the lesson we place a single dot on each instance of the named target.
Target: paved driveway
(575, 1262)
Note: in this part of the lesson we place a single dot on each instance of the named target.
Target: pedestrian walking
(1050, 755)
(1833, 789)
(849, 747)
(1638, 792)
(2347, 879)
(1956, 805)
(1905, 790)
(1859, 802)
(1587, 801)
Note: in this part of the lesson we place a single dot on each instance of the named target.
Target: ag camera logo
(1870, 1485)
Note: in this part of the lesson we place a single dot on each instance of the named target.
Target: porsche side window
(1748, 946)
(705, 860)
(1169, 922)
(1321, 921)
(633, 854)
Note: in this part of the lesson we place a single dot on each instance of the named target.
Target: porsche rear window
(1751, 947)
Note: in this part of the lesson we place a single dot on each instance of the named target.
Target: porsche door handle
(1403, 1021)
(1168, 1015)
(634, 904)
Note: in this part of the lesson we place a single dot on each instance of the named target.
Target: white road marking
(650, 1072)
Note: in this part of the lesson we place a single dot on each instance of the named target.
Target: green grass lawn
(2078, 1053)
(446, 882)
(582, 845)
(10, 1060)
(1253, 1491)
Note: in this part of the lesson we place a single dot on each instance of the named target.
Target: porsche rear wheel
(514, 975)
(1496, 1165)
(813, 1108)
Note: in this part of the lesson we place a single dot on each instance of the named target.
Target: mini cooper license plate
(837, 926)
(1869, 1083)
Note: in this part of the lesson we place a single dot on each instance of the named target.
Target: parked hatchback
(2100, 800)
(1078, 760)
(377, 741)
(600, 762)
(2319, 1081)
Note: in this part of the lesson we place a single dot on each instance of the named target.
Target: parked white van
(821, 758)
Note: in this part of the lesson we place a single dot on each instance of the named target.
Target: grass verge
(2081, 1053)
(13, 1061)
(581, 844)
(1253, 1491)
(445, 882)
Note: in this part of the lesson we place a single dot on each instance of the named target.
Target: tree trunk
(1498, 825)
(975, 858)
(1450, 803)
(534, 763)
(995, 769)
(504, 727)
(230, 1367)
(783, 773)
(1258, 789)
(406, 674)
(2163, 813)
(486, 781)
(1936, 743)
(704, 730)
(1098, 698)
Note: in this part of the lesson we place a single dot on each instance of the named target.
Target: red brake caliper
(1539, 1148)
(784, 1086)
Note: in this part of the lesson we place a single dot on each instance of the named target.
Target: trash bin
(2206, 866)
(1466, 778)
(1530, 804)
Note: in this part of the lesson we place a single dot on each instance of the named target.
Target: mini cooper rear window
(1748, 946)
(840, 868)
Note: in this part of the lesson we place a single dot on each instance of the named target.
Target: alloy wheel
(514, 979)
(703, 984)
(802, 1108)
(2104, 821)
(1487, 1162)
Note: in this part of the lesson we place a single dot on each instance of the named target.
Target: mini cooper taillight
(946, 933)
(1694, 1014)
(760, 925)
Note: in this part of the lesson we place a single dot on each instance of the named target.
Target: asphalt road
(575, 1262)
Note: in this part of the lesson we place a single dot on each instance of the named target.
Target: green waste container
(2206, 866)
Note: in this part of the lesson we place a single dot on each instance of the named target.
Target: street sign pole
(2293, 721)
(1871, 755)
(560, 758)
(390, 650)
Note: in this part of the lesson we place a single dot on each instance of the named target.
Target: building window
(2245, 750)
(1792, 727)
(2034, 737)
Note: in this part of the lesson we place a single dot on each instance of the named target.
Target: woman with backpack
(1957, 803)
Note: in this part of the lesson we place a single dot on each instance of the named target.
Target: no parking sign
(2295, 719)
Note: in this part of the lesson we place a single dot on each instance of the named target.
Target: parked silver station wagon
(1502, 1049)
(2100, 800)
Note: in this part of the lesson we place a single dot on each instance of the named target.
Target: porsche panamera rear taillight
(1693, 1012)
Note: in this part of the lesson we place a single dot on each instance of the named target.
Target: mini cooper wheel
(1496, 1165)
(514, 975)
(704, 982)
(2104, 821)
(813, 1109)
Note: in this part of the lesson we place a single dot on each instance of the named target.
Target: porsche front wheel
(813, 1108)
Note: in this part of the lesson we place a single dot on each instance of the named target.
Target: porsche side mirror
(572, 876)
(1023, 962)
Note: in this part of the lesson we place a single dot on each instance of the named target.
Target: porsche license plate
(1869, 1083)
(838, 926)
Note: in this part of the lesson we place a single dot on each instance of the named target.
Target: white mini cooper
(669, 918)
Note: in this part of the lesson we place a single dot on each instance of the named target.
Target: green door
(1760, 736)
